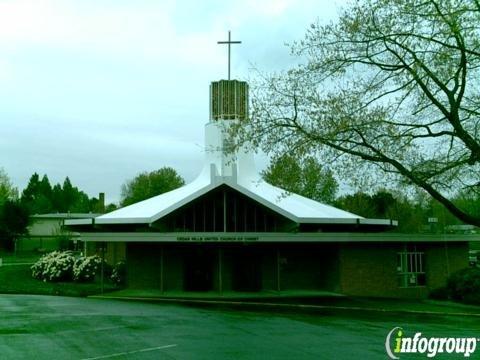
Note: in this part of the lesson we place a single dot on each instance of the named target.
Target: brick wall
(370, 269)
(443, 260)
(143, 264)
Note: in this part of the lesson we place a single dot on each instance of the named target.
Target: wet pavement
(47, 327)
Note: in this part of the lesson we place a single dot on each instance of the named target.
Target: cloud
(100, 90)
(141, 31)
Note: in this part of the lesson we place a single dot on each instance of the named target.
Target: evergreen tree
(37, 196)
(57, 198)
(40, 197)
(30, 192)
(68, 195)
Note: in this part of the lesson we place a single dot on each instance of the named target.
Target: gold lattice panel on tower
(228, 100)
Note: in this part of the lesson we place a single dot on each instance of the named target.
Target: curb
(283, 306)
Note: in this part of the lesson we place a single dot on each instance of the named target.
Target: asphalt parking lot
(47, 327)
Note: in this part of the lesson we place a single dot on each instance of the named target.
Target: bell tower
(228, 98)
(228, 104)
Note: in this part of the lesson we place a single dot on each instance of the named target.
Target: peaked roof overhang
(294, 207)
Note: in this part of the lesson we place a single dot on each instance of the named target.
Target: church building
(230, 231)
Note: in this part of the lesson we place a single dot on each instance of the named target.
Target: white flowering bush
(85, 268)
(119, 273)
(68, 266)
(54, 266)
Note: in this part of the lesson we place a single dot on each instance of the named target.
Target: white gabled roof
(298, 208)
(295, 207)
(238, 172)
(152, 209)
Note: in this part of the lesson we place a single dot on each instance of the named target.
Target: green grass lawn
(17, 279)
(24, 257)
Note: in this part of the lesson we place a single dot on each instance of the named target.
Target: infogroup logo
(397, 343)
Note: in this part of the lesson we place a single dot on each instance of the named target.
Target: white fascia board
(79, 222)
(360, 221)
(125, 220)
(312, 220)
(378, 222)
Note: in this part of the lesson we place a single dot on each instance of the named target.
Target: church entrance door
(198, 270)
(247, 271)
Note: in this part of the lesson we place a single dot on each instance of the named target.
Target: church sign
(217, 238)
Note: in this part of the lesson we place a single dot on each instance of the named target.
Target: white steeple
(228, 105)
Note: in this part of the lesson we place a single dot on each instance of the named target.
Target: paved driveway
(44, 327)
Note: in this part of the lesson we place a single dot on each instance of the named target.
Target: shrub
(54, 266)
(68, 266)
(440, 293)
(119, 273)
(464, 285)
(85, 268)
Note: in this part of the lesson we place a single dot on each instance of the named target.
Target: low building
(46, 231)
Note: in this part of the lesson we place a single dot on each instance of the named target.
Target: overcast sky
(101, 90)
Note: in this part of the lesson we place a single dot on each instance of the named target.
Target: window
(224, 209)
(411, 267)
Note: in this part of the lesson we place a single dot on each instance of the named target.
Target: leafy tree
(388, 92)
(146, 185)
(304, 177)
(359, 203)
(14, 219)
(110, 207)
(7, 190)
(468, 200)
(411, 216)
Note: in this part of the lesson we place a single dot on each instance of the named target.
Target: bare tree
(392, 85)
